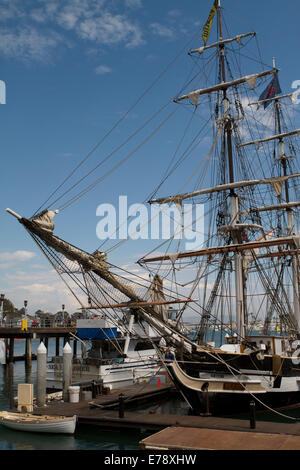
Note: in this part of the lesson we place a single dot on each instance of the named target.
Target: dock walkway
(99, 412)
(175, 438)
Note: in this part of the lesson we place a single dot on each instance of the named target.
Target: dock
(125, 409)
(176, 438)
(42, 333)
(204, 432)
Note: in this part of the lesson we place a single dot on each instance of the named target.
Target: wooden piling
(57, 346)
(75, 348)
(11, 350)
(83, 350)
(28, 352)
(41, 375)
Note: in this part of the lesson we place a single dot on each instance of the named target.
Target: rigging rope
(123, 117)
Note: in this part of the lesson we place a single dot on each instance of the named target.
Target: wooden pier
(176, 438)
(42, 333)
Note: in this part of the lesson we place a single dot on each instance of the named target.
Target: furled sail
(250, 79)
(223, 187)
(292, 96)
(292, 241)
(237, 38)
(273, 137)
(157, 295)
(46, 220)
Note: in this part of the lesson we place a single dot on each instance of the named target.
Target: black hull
(224, 403)
(229, 403)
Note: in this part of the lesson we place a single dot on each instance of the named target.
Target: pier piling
(252, 415)
(57, 346)
(75, 348)
(11, 350)
(121, 405)
(28, 352)
(41, 374)
(67, 371)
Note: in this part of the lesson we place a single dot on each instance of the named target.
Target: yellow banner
(208, 24)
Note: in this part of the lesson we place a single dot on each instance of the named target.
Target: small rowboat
(35, 423)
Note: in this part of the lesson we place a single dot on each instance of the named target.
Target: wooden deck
(176, 438)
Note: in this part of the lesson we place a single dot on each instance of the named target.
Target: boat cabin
(267, 344)
(270, 344)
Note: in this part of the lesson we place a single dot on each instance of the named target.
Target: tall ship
(245, 269)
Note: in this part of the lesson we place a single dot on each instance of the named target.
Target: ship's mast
(230, 183)
(290, 213)
(234, 202)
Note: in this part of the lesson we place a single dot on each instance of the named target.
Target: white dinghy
(35, 423)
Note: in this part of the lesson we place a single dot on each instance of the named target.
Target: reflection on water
(16, 440)
(87, 438)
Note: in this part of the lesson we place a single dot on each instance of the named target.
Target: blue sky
(72, 69)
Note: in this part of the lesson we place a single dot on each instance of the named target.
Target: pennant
(272, 90)
(208, 24)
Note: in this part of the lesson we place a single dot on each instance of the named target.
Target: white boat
(35, 423)
(120, 354)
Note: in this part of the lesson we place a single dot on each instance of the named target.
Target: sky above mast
(72, 69)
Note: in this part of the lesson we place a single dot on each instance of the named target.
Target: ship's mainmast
(235, 230)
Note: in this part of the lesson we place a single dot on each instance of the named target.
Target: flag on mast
(273, 89)
(208, 24)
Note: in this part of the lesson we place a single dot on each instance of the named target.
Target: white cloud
(133, 3)
(43, 290)
(16, 256)
(34, 32)
(161, 30)
(27, 43)
(111, 29)
(102, 69)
